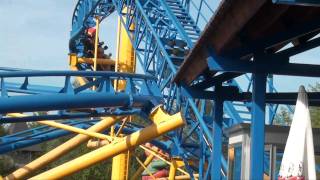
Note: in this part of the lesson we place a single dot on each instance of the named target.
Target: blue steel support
(257, 126)
(41, 134)
(143, 95)
(164, 31)
(271, 108)
(64, 101)
(162, 28)
(217, 136)
(11, 143)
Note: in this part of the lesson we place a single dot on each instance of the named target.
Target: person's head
(91, 31)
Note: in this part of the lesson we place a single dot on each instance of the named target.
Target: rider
(157, 167)
(88, 42)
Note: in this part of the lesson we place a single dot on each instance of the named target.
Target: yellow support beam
(77, 130)
(120, 166)
(125, 62)
(81, 80)
(161, 158)
(144, 167)
(140, 170)
(122, 126)
(158, 114)
(125, 57)
(96, 42)
(114, 148)
(59, 151)
(175, 164)
(74, 60)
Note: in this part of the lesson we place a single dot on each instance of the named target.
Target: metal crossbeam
(23, 97)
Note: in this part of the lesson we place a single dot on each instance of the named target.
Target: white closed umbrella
(298, 159)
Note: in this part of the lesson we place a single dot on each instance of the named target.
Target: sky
(35, 34)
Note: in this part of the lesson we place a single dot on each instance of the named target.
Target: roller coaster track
(164, 33)
(161, 39)
(18, 94)
(141, 93)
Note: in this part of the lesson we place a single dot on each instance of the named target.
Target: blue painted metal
(143, 95)
(257, 126)
(31, 103)
(83, 18)
(165, 30)
(37, 135)
(162, 58)
(263, 43)
(41, 134)
(217, 135)
(223, 64)
(61, 115)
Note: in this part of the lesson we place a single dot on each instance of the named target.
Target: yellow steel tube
(120, 166)
(114, 148)
(74, 60)
(161, 158)
(140, 170)
(76, 130)
(96, 42)
(122, 126)
(59, 151)
(175, 164)
(81, 80)
(144, 167)
(172, 171)
(125, 58)
(125, 62)
(99, 61)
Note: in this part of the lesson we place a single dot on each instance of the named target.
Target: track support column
(217, 135)
(257, 126)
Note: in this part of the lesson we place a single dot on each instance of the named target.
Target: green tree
(283, 117)
(6, 162)
(98, 171)
(315, 111)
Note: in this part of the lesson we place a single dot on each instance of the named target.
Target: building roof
(240, 28)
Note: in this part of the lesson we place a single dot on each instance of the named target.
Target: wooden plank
(230, 18)
(240, 24)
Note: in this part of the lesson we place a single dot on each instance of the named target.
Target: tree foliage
(315, 111)
(98, 171)
(284, 118)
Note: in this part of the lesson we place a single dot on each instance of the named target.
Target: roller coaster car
(104, 64)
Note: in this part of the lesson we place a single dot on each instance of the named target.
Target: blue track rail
(37, 135)
(165, 31)
(140, 96)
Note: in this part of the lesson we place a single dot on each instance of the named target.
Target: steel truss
(164, 33)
